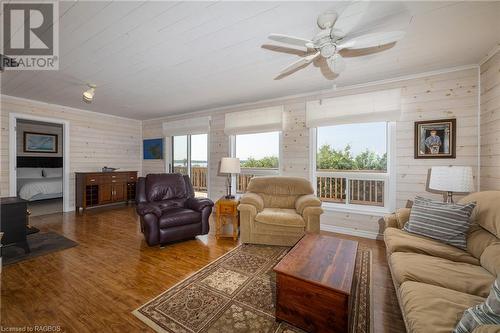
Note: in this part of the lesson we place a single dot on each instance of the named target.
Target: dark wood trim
(39, 162)
(453, 133)
(40, 152)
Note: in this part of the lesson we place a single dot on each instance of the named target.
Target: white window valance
(253, 121)
(197, 125)
(369, 107)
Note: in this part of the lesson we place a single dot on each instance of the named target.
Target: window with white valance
(254, 121)
(360, 108)
(255, 138)
(186, 126)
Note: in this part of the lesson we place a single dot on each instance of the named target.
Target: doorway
(190, 157)
(39, 162)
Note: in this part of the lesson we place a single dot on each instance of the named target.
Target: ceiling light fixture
(88, 95)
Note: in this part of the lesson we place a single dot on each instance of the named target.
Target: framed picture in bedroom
(39, 142)
(152, 149)
(435, 138)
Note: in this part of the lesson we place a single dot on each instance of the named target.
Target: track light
(88, 95)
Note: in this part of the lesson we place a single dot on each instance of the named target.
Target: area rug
(236, 293)
(40, 243)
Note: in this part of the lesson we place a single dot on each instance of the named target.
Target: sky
(359, 136)
(371, 136)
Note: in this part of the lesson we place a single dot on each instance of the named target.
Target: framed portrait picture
(40, 142)
(435, 138)
(153, 149)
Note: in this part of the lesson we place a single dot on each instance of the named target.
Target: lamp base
(229, 197)
(449, 197)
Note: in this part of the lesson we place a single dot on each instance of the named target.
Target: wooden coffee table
(314, 283)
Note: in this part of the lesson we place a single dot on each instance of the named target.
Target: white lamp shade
(451, 179)
(230, 165)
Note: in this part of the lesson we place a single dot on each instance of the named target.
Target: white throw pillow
(52, 172)
(29, 173)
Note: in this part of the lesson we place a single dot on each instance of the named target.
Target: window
(190, 157)
(258, 154)
(352, 164)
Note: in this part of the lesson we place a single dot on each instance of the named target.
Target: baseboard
(351, 231)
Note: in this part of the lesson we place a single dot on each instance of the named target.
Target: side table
(224, 209)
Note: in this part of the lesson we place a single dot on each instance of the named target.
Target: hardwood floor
(94, 286)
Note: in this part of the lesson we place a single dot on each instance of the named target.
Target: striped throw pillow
(448, 223)
(487, 313)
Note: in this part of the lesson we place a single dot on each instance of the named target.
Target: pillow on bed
(29, 173)
(53, 172)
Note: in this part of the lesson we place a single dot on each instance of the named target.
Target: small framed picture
(153, 149)
(40, 142)
(435, 138)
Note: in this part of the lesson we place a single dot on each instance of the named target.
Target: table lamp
(229, 166)
(451, 179)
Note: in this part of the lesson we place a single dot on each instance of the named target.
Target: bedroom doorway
(38, 156)
(39, 165)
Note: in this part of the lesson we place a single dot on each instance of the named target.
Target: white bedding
(29, 188)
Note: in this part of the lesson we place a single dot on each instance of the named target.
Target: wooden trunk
(314, 284)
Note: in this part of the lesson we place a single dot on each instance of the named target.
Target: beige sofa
(436, 282)
(278, 210)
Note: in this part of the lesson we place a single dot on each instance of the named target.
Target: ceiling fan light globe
(327, 19)
(88, 95)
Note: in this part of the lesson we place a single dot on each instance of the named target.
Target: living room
(222, 160)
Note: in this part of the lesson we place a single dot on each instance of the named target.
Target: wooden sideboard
(102, 188)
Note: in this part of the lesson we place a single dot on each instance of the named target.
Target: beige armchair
(278, 210)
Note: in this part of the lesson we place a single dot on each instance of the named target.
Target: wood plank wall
(448, 95)
(490, 124)
(96, 139)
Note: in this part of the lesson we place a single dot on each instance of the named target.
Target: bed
(39, 178)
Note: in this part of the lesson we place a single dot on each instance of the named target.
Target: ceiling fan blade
(351, 16)
(371, 40)
(290, 40)
(336, 63)
(299, 63)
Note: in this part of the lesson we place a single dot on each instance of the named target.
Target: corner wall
(490, 124)
(438, 96)
(96, 139)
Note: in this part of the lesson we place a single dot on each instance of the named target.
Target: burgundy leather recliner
(168, 209)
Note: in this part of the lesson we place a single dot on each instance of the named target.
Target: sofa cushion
(448, 223)
(279, 185)
(178, 216)
(487, 313)
(478, 240)
(280, 216)
(429, 308)
(487, 211)
(463, 277)
(490, 259)
(401, 241)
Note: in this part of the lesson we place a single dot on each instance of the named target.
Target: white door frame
(13, 117)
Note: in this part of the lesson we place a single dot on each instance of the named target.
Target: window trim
(388, 177)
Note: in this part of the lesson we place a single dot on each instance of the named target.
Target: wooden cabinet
(101, 188)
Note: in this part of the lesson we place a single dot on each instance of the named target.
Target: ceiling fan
(334, 38)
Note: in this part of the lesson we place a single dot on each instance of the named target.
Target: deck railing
(359, 188)
(242, 181)
(198, 177)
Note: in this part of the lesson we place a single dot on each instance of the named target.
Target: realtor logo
(30, 35)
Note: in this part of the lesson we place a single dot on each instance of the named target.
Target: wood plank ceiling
(151, 59)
